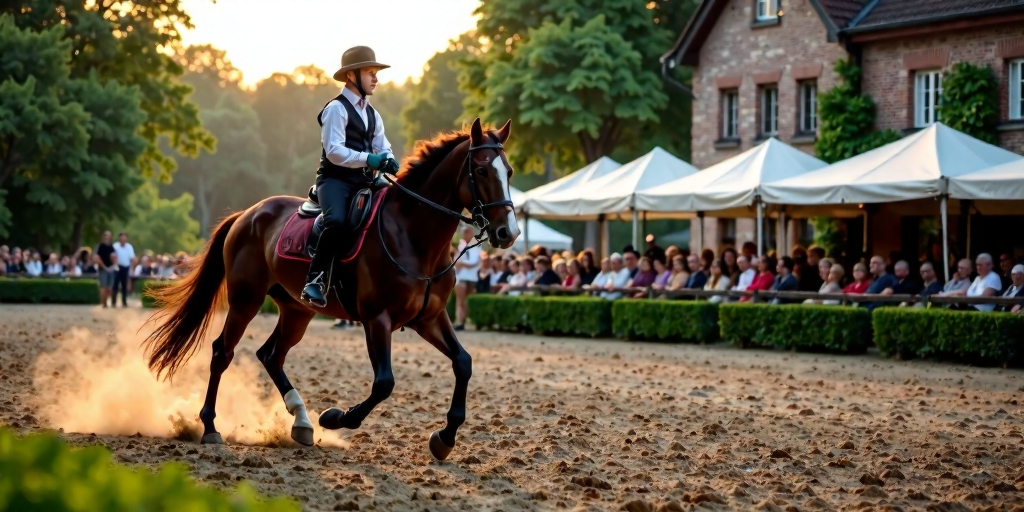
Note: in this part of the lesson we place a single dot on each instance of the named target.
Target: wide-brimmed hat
(355, 58)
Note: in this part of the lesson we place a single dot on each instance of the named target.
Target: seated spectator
(144, 268)
(662, 276)
(483, 274)
(34, 266)
(707, 258)
(765, 276)
(729, 256)
(719, 280)
(70, 267)
(987, 284)
(644, 277)
(1006, 269)
(631, 262)
(85, 261)
(961, 280)
(1016, 288)
(680, 274)
(747, 272)
(831, 285)
(573, 280)
(670, 254)
(545, 276)
(809, 272)
(516, 280)
(861, 281)
(53, 266)
(619, 278)
(905, 285)
(698, 278)
(16, 265)
(932, 286)
(785, 281)
(588, 266)
(883, 281)
(499, 271)
(166, 268)
(561, 269)
(602, 277)
(528, 267)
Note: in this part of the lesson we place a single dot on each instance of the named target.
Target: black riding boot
(318, 280)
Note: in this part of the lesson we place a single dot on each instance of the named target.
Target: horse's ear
(505, 131)
(476, 134)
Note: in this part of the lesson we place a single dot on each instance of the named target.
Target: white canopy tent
(1003, 182)
(535, 202)
(915, 167)
(731, 187)
(536, 232)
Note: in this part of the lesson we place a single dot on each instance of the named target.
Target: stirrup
(321, 286)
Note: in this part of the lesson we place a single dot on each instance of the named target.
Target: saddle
(299, 238)
(359, 210)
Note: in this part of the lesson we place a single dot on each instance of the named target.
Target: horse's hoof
(303, 435)
(213, 438)
(438, 449)
(331, 418)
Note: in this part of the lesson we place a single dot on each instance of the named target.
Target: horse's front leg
(438, 331)
(378, 345)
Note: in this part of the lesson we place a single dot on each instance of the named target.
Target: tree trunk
(76, 235)
(204, 209)
(607, 139)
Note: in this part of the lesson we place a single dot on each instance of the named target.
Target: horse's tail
(187, 305)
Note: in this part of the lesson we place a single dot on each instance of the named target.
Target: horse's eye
(481, 171)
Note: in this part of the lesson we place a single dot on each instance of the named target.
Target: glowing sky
(265, 36)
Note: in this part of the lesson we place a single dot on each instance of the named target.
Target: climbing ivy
(970, 101)
(847, 119)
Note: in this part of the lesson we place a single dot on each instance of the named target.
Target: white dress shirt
(471, 272)
(332, 133)
(125, 254)
(745, 279)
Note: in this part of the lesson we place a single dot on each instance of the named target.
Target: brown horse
(385, 286)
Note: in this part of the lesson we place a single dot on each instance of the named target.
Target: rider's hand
(390, 166)
(374, 161)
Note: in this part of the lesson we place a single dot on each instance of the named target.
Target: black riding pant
(334, 190)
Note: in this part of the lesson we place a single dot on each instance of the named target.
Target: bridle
(476, 210)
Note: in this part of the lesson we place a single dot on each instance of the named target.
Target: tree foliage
(162, 225)
(580, 77)
(435, 103)
(847, 118)
(970, 101)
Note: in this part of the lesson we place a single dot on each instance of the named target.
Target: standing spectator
(632, 263)
(809, 273)
(125, 256)
(680, 274)
(861, 281)
(785, 282)
(987, 284)
(1006, 269)
(588, 267)
(107, 270)
(654, 252)
(747, 273)
(719, 279)
(697, 278)
(466, 270)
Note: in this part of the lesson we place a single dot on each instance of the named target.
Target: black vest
(358, 136)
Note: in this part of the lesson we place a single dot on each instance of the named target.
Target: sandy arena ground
(553, 423)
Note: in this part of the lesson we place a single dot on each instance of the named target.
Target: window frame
(729, 106)
(802, 87)
(764, 92)
(1015, 90)
(771, 8)
(923, 94)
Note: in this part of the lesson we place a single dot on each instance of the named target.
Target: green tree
(970, 101)
(847, 119)
(162, 225)
(580, 77)
(435, 103)
(390, 99)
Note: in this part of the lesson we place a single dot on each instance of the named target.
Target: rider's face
(369, 78)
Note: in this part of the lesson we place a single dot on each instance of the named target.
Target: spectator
(483, 276)
(545, 276)
(719, 280)
(166, 268)
(144, 268)
(644, 278)
(53, 265)
(499, 271)
(785, 282)
(107, 271)
(961, 280)
(747, 273)
(538, 251)
(619, 277)
(765, 276)
(861, 280)
(707, 258)
(70, 267)
(883, 281)
(602, 277)
(631, 262)
(467, 272)
(34, 266)
(832, 279)
(1006, 269)
(698, 278)
(809, 271)
(16, 265)
(573, 281)
(528, 267)
(931, 282)
(670, 254)
(1016, 288)
(125, 256)
(680, 274)
(588, 267)
(749, 249)
(561, 269)
(654, 252)
(987, 284)
(729, 256)
(85, 261)
(662, 275)
(905, 285)
(517, 279)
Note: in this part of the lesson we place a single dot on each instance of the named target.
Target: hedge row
(49, 291)
(41, 472)
(797, 327)
(965, 336)
(585, 316)
(665, 320)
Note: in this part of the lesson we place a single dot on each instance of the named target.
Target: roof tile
(899, 11)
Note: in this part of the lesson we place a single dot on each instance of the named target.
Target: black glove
(389, 166)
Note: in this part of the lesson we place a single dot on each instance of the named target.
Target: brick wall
(735, 52)
(889, 68)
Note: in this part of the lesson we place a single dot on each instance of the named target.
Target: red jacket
(762, 281)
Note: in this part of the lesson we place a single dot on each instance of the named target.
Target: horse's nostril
(502, 234)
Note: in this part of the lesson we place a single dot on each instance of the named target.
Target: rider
(352, 136)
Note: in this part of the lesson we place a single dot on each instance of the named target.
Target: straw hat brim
(339, 75)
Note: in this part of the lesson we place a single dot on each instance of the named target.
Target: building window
(730, 114)
(769, 111)
(727, 232)
(767, 10)
(927, 97)
(808, 106)
(1016, 89)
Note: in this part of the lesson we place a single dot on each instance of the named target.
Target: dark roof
(842, 11)
(887, 13)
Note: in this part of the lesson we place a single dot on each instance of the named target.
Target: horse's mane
(427, 155)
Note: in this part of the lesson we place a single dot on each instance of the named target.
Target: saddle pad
(294, 237)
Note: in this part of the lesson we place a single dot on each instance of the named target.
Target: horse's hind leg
(291, 325)
(243, 308)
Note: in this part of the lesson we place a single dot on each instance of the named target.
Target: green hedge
(497, 312)
(41, 472)
(666, 320)
(49, 291)
(582, 316)
(964, 336)
(797, 326)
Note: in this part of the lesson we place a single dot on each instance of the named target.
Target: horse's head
(487, 191)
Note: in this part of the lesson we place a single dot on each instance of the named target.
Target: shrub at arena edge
(665, 320)
(801, 327)
(49, 291)
(41, 472)
(585, 316)
(962, 336)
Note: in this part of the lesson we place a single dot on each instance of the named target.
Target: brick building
(759, 64)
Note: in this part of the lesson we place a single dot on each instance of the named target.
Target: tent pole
(605, 242)
(643, 226)
(945, 241)
(760, 227)
(700, 241)
(636, 220)
(864, 237)
(780, 234)
(526, 232)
